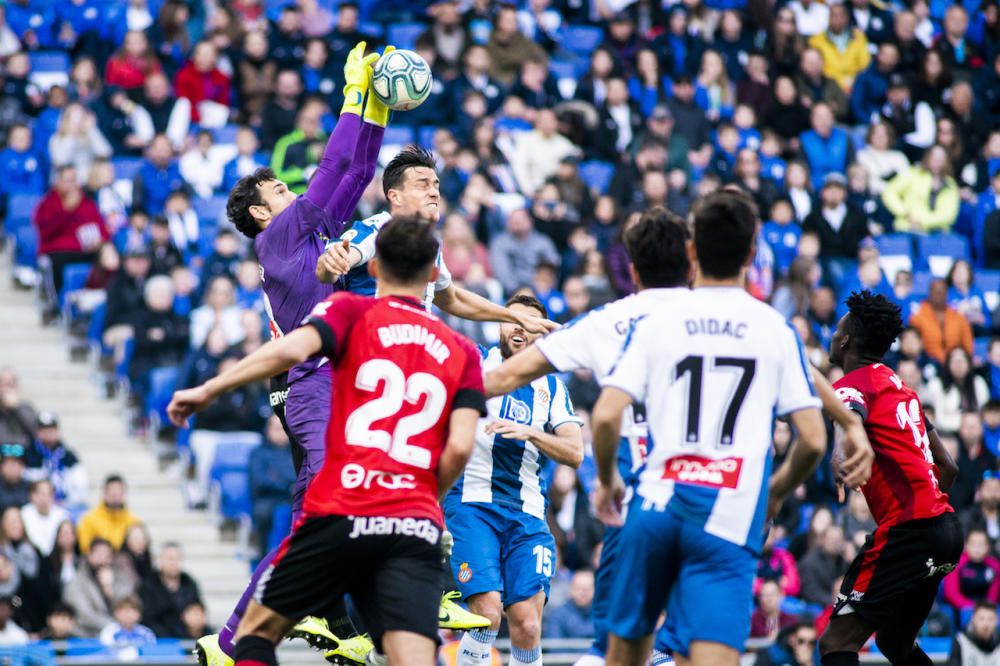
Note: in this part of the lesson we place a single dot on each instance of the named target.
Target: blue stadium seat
(895, 244)
(233, 456)
(74, 276)
(26, 253)
(163, 647)
(940, 251)
(225, 134)
(281, 523)
(581, 39)
(209, 210)
(162, 382)
(981, 348)
(234, 493)
(49, 61)
(83, 647)
(563, 69)
(597, 175)
(989, 283)
(922, 282)
(371, 28)
(404, 35)
(398, 135)
(127, 167)
(935, 645)
(425, 136)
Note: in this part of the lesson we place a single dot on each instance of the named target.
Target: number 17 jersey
(903, 485)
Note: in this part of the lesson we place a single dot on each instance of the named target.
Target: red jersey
(398, 373)
(903, 485)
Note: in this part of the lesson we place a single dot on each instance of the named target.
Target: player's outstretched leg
(525, 621)
(476, 646)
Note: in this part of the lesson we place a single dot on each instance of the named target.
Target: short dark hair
(62, 608)
(873, 322)
(987, 605)
(408, 158)
(246, 193)
(528, 301)
(405, 248)
(128, 601)
(100, 541)
(725, 227)
(657, 246)
(113, 478)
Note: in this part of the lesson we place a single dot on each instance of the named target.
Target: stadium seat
(981, 347)
(563, 69)
(49, 61)
(20, 209)
(922, 283)
(233, 454)
(84, 647)
(235, 502)
(935, 645)
(209, 210)
(404, 35)
(581, 39)
(163, 647)
(162, 382)
(74, 277)
(566, 73)
(281, 523)
(597, 175)
(895, 254)
(127, 167)
(940, 251)
(26, 253)
(425, 136)
(398, 135)
(989, 283)
(371, 28)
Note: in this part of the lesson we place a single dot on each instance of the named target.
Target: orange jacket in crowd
(938, 338)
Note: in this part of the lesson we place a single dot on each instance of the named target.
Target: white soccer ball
(402, 80)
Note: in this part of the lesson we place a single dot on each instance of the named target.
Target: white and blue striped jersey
(361, 235)
(509, 472)
(713, 371)
(594, 341)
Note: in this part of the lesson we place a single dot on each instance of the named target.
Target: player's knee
(894, 647)
(829, 642)
(489, 606)
(525, 630)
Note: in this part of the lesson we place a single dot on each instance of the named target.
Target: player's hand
(375, 111)
(536, 325)
(447, 543)
(334, 262)
(187, 402)
(510, 430)
(357, 78)
(856, 468)
(608, 501)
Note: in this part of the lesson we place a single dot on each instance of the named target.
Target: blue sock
(523, 657)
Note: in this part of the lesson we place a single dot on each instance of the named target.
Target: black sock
(339, 621)
(254, 651)
(840, 659)
(917, 657)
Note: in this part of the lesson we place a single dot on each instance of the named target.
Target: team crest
(349, 235)
(464, 573)
(543, 397)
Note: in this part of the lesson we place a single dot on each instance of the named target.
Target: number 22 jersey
(398, 373)
(903, 485)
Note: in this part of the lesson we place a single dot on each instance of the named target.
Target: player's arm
(458, 448)
(856, 466)
(465, 304)
(606, 425)
(271, 359)
(947, 469)
(520, 369)
(803, 458)
(564, 445)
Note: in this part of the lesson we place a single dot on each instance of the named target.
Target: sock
(590, 660)
(840, 659)
(523, 657)
(339, 621)
(916, 658)
(254, 651)
(661, 657)
(474, 649)
(228, 632)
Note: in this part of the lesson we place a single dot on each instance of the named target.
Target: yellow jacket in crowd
(843, 66)
(102, 522)
(908, 198)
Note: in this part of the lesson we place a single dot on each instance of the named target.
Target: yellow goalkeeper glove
(375, 111)
(358, 76)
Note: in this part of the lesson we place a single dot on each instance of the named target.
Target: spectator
(157, 178)
(768, 619)
(508, 48)
(64, 561)
(882, 163)
(22, 166)
(827, 148)
(14, 488)
(912, 122)
(10, 633)
(537, 153)
(271, 479)
(978, 643)
(619, 122)
(125, 631)
(713, 91)
(857, 520)
(515, 253)
(129, 66)
(49, 458)
(932, 81)
(110, 519)
(869, 91)
(161, 336)
(167, 594)
(747, 175)
(162, 113)
(796, 646)
(958, 389)
(811, 17)
(940, 326)
(924, 198)
(164, 255)
(202, 165)
(570, 518)
(205, 86)
(574, 619)
(958, 52)
(219, 309)
(70, 226)
(134, 558)
(278, 114)
(320, 75)
(297, 153)
(782, 233)
(287, 38)
(822, 565)
(171, 35)
(77, 142)
(840, 226)
(254, 76)
(17, 417)
(844, 48)
(195, 621)
(649, 87)
(248, 158)
(874, 21)
(125, 300)
(967, 298)
(93, 587)
(813, 86)
(60, 625)
(973, 127)
(977, 576)
(42, 516)
(792, 296)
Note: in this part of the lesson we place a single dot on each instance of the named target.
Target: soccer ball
(402, 80)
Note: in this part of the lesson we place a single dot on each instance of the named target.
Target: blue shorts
(498, 549)
(704, 583)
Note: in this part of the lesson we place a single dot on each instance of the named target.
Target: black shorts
(391, 567)
(277, 395)
(894, 579)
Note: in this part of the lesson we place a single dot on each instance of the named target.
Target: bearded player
(891, 585)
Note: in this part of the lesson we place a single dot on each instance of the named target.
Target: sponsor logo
(420, 528)
(933, 569)
(856, 596)
(701, 471)
(516, 411)
(464, 573)
(849, 394)
(278, 397)
(354, 476)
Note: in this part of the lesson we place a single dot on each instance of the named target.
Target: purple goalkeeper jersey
(289, 247)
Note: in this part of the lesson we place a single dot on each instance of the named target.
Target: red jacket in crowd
(80, 229)
(129, 73)
(198, 87)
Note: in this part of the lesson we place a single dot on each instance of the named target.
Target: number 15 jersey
(903, 485)
(714, 369)
(398, 373)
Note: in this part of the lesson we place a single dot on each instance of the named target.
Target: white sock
(590, 660)
(660, 657)
(475, 648)
(525, 657)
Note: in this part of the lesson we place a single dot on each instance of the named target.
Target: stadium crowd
(868, 134)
